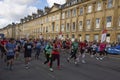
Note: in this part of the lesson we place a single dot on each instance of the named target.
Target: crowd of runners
(52, 49)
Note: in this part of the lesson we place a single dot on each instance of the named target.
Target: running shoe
(51, 69)
(101, 58)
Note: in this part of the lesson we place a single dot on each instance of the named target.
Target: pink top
(102, 46)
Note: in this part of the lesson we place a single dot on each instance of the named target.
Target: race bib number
(10, 50)
(29, 47)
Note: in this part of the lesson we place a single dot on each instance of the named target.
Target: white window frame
(108, 22)
(67, 27)
(110, 4)
(88, 24)
(69, 13)
(80, 25)
(97, 22)
(99, 6)
(74, 26)
(74, 12)
(89, 9)
(62, 27)
(108, 38)
(87, 37)
(96, 37)
(81, 11)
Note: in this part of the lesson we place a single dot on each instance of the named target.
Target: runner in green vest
(74, 49)
(48, 50)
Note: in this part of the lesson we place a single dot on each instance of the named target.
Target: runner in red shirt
(82, 48)
(55, 55)
(3, 43)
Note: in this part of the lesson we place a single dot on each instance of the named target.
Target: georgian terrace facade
(81, 19)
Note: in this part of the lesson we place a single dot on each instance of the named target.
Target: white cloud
(13, 10)
(51, 2)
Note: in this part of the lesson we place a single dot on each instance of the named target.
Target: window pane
(62, 28)
(68, 27)
(68, 13)
(74, 12)
(89, 9)
(80, 25)
(97, 22)
(88, 24)
(109, 21)
(110, 3)
(81, 11)
(99, 6)
(87, 37)
(96, 37)
(73, 26)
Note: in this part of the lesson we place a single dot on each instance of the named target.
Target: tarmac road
(108, 69)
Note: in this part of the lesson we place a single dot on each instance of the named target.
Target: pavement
(107, 69)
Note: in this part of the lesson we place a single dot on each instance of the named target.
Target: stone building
(81, 19)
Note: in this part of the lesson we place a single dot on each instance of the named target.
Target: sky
(14, 10)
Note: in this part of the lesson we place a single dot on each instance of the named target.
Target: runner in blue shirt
(10, 48)
(38, 49)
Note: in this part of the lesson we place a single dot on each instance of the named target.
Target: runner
(38, 49)
(94, 49)
(55, 55)
(3, 52)
(10, 49)
(83, 50)
(74, 50)
(101, 48)
(27, 52)
(48, 50)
